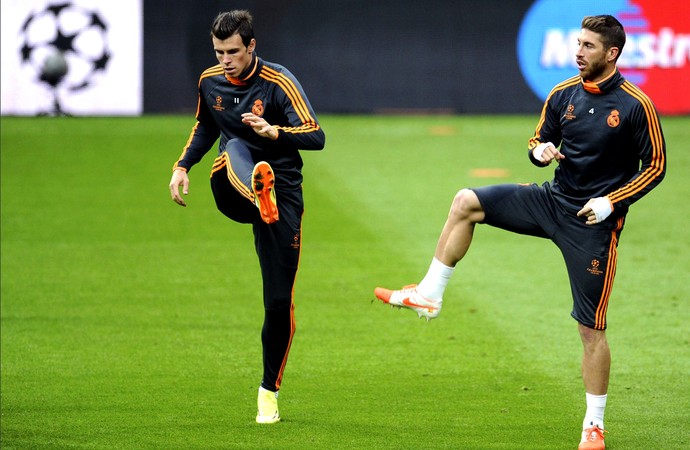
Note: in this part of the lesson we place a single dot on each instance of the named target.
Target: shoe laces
(410, 288)
(594, 432)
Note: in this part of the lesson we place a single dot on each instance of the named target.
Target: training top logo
(219, 104)
(656, 56)
(613, 120)
(258, 108)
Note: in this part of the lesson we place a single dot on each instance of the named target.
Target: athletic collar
(612, 81)
(249, 73)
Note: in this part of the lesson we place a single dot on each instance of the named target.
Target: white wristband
(602, 208)
(539, 150)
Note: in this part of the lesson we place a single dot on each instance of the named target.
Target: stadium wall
(86, 57)
(353, 56)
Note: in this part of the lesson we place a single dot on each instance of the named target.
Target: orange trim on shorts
(600, 316)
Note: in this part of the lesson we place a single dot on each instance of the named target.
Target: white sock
(595, 411)
(434, 283)
(262, 389)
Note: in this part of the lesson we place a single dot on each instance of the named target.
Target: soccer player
(605, 136)
(262, 116)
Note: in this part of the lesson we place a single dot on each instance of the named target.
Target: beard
(594, 70)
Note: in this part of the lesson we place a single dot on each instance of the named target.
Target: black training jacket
(268, 90)
(611, 137)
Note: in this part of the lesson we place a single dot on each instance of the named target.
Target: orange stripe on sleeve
(292, 92)
(534, 141)
(186, 146)
(658, 158)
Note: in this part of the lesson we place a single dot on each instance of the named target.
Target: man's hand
(179, 178)
(260, 126)
(596, 210)
(547, 152)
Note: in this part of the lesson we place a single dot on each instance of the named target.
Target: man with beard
(605, 136)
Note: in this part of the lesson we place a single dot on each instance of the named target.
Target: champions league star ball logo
(64, 46)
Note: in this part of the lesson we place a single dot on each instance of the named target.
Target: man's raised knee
(466, 206)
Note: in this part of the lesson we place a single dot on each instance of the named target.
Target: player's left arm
(651, 148)
(260, 126)
(299, 127)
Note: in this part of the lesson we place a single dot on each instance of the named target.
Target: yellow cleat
(267, 403)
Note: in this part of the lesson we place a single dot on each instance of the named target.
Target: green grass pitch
(129, 322)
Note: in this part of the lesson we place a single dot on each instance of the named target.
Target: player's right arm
(202, 137)
(179, 178)
(543, 146)
(544, 153)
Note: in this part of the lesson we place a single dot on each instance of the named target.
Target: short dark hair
(228, 23)
(610, 29)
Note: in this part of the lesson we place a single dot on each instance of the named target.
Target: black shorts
(589, 251)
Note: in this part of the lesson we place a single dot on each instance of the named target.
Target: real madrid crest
(258, 108)
(613, 120)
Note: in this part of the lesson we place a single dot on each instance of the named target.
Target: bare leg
(457, 232)
(596, 360)
(426, 297)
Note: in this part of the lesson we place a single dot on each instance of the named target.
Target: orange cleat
(263, 181)
(592, 439)
(409, 298)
